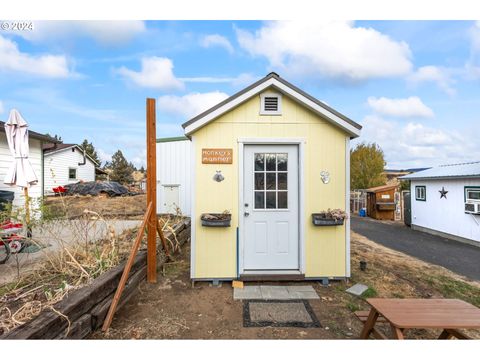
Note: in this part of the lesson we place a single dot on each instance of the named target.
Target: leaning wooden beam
(151, 192)
(126, 271)
(162, 238)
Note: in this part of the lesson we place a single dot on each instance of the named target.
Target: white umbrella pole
(27, 211)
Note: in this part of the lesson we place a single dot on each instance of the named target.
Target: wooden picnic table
(450, 315)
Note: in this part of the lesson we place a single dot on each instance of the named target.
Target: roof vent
(271, 104)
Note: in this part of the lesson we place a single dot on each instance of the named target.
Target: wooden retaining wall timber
(87, 307)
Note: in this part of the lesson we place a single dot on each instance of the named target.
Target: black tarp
(111, 188)
(6, 197)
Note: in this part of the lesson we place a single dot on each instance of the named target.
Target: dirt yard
(171, 309)
(120, 207)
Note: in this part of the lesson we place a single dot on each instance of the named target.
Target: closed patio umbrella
(20, 172)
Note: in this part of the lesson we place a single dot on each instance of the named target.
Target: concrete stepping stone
(357, 289)
(269, 292)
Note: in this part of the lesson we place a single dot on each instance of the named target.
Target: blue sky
(413, 85)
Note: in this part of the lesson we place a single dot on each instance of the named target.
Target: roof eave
(441, 177)
(272, 80)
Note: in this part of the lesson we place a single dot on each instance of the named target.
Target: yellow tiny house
(270, 156)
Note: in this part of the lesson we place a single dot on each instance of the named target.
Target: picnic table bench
(450, 315)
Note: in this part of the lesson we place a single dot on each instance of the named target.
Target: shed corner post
(151, 192)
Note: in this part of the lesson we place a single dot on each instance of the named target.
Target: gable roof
(49, 149)
(451, 171)
(381, 188)
(33, 135)
(275, 81)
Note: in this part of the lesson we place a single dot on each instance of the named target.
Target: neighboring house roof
(49, 149)
(412, 170)
(33, 135)
(452, 171)
(275, 81)
(381, 188)
(172, 139)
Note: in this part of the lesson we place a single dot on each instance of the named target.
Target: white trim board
(193, 220)
(272, 82)
(347, 207)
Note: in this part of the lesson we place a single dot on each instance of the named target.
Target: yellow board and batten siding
(215, 248)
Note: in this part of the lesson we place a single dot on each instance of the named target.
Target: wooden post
(126, 270)
(151, 192)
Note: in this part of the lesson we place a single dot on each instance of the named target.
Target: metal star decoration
(443, 193)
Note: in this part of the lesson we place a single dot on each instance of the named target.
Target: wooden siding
(35, 158)
(56, 165)
(374, 198)
(215, 252)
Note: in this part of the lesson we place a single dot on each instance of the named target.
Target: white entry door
(270, 237)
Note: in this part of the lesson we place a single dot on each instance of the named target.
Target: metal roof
(172, 139)
(275, 76)
(463, 170)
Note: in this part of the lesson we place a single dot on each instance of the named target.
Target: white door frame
(301, 197)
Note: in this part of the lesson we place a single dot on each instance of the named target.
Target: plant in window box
(329, 217)
(216, 219)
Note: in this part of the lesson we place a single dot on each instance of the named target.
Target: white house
(446, 201)
(36, 142)
(66, 164)
(174, 175)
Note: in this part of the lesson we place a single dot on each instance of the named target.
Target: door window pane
(259, 200)
(259, 181)
(282, 181)
(282, 200)
(259, 162)
(271, 199)
(271, 181)
(270, 159)
(282, 162)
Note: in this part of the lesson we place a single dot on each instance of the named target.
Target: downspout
(84, 158)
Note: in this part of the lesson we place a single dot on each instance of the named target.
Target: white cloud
(440, 76)
(237, 81)
(47, 65)
(338, 50)
(216, 40)
(407, 108)
(2, 109)
(472, 66)
(156, 72)
(104, 155)
(103, 32)
(191, 104)
(416, 145)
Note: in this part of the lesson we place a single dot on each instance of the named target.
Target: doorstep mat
(279, 313)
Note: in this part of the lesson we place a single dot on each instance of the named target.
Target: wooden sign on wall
(217, 156)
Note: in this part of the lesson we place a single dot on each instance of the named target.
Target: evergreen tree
(121, 169)
(56, 137)
(367, 163)
(90, 150)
